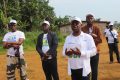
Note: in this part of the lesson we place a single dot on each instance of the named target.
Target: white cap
(76, 19)
(111, 23)
(13, 21)
(46, 22)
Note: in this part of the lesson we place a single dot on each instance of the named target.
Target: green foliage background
(29, 15)
(31, 39)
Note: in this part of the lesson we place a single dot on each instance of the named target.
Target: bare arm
(21, 40)
(13, 44)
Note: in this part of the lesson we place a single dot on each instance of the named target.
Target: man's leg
(94, 66)
(53, 69)
(22, 68)
(76, 74)
(111, 48)
(11, 65)
(46, 69)
(117, 53)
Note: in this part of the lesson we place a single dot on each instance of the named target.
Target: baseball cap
(76, 19)
(111, 24)
(46, 22)
(13, 21)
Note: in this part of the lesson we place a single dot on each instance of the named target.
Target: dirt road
(106, 71)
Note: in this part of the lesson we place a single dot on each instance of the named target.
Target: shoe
(118, 61)
(110, 62)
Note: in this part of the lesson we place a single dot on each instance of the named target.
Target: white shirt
(85, 43)
(110, 37)
(14, 37)
(45, 46)
(105, 31)
(90, 30)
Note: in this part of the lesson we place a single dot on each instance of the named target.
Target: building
(66, 29)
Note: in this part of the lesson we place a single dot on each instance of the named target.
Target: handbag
(115, 39)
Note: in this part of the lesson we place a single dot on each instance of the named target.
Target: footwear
(110, 62)
(118, 61)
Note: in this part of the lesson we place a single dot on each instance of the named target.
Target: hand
(8, 46)
(77, 52)
(45, 57)
(93, 35)
(12, 43)
(68, 53)
(16, 46)
(42, 59)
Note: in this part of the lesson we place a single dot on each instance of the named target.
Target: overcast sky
(105, 9)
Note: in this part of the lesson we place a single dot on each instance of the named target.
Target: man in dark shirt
(47, 48)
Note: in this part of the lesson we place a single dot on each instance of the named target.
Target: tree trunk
(4, 8)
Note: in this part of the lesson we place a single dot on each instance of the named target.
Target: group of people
(81, 47)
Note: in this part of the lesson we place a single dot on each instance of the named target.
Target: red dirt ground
(34, 70)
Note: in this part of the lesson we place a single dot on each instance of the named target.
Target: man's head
(12, 25)
(89, 19)
(111, 26)
(45, 26)
(76, 24)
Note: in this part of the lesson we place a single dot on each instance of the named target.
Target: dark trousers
(77, 75)
(50, 69)
(113, 48)
(94, 66)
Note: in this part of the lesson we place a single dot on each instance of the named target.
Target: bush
(61, 38)
(31, 40)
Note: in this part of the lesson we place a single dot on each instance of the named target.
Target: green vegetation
(31, 39)
(29, 15)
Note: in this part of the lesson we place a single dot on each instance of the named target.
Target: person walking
(112, 43)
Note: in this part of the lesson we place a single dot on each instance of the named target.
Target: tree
(61, 21)
(33, 12)
(28, 12)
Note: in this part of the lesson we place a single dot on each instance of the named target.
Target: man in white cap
(112, 43)
(13, 41)
(47, 48)
(79, 47)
